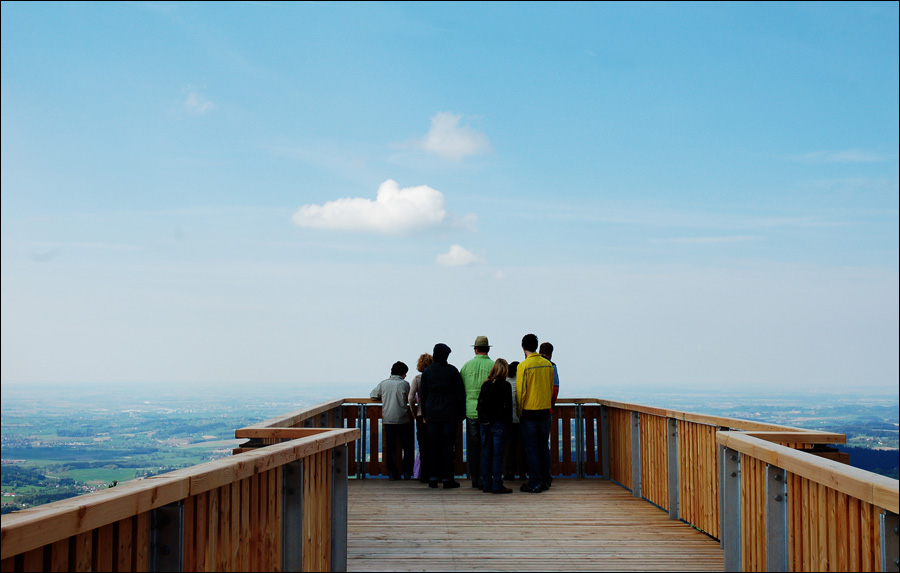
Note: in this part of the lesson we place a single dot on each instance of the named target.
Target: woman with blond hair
(495, 417)
(415, 405)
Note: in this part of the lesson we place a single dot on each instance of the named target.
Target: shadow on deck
(578, 525)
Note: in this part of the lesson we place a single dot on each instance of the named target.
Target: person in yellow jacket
(534, 393)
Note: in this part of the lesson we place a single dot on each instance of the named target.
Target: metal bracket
(167, 537)
(890, 547)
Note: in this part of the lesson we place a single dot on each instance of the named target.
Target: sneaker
(544, 487)
(432, 483)
(527, 489)
(503, 489)
(450, 484)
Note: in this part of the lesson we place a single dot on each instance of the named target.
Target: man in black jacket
(443, 397)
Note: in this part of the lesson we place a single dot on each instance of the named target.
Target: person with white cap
(474, 373)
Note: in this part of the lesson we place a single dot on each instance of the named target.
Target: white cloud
(458, 256)
(394, 211)
(453, 141)
(197, 104)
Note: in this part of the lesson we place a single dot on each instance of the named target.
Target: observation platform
(636, 488)
(577, 525)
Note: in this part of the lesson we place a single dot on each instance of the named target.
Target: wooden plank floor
(578, 525)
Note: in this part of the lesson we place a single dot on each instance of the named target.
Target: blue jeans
(536, 435)
(493, 446)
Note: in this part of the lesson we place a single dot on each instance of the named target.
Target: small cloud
(457, 257)
(453, 141)
(197, 104)
(848, 156)
(394, 211)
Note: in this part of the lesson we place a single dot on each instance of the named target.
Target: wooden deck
(578, 525)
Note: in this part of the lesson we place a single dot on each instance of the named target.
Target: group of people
(506, 408)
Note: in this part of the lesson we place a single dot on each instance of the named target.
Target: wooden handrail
(43, 526)
(865, 486)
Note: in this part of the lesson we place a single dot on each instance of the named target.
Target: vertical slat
(125, 548)
(223, 542)
(34, 560)
(234, 534)
(865, 525)
(278, 487)
(103, 548)
(854, 557)
(832, 538)
(794, 508)
(84, 551)
(805, 527)
(272, 525)
(189, 528)
(841, 521)
(59, 555)
(142, 542)
(201, 538)
(264, 523)
(245, 553)
(253, 526)
(821, 527)
(212, 529)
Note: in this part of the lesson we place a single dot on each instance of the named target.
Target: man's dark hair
(484, 349)
(546, 349)
(399, 369)
(530, 343)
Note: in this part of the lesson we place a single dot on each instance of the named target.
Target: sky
(696, 196)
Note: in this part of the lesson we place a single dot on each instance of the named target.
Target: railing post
(636, 454)
(890, 547)
(167, 537)
(721, 501)
(604, 441)
(292, 516)
(579, 441)
(672, 468)
(731, 532)
(776, 519)
(338, 508)
(364, 440)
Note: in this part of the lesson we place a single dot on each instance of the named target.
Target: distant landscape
(68, 441)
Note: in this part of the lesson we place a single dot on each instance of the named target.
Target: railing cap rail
(873, 488)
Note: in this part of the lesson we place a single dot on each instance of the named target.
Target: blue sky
(697, 196)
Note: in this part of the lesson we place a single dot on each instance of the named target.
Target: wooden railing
(787, 511)
(279, 508)
(684, 463)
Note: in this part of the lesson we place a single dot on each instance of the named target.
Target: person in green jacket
(474, 373)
